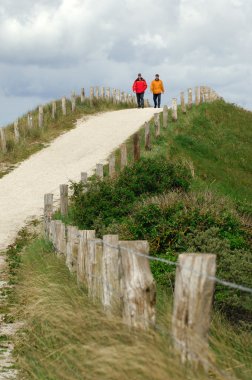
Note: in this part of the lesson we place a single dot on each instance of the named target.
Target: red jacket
(139, 85)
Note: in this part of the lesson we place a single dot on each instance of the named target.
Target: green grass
(67, 337)
(35, 139)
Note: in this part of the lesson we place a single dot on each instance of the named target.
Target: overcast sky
(50, 47)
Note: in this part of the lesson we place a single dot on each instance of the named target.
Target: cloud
(50, 47)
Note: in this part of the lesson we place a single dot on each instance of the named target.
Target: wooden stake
(72, 246)
(40, 117)
(91, 95)
(136, 142)
(54, 109)
(112, 171)
(64, 199)
(82, 95)
(165, 116)
(73, 101)
(197, 96)
(97, 92)
(189, 98)
(16, 131)
(107, 93)
(138, 290)
(157, 124)
(182, 102)
(174, 109)
(192, 305)
(48, 212)
(124, 156)
(147, 144)
(84, 235)
(99, 171)
(63, 102)
(3, 140)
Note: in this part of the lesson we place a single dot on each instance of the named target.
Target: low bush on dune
(152, 200)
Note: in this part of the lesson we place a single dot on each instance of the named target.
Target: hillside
(178, 198)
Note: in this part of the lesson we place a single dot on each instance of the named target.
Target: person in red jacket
(139, 86)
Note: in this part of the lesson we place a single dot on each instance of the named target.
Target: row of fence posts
(111, 95)
(117, 273)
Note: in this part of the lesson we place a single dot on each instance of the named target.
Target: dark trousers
(157, 100)
(140, 99)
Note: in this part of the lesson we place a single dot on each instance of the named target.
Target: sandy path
(22, 190)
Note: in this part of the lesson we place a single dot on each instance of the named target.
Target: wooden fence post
(84, 177)
(99, 171)
(124, 156)
(97, 92)
(107, 93)
(54, 109)
(136, 142)
(201, 94)
(40, 117)
(82, 95)
(118, 96)
(138, 289)
(73, 101)
(189, 104)
(112, 171)
(84, 235)
(182, 102)
(147, 144)
(60, 238)
(192, 305)
(157, 124)
(72, 245)
(174, 109)
(3, 140)
(102, 93)
(63, 103)
(114, 96)
(165, 116)
(197, 96)
(95, 287)
(64, 199)
(91, 95)
(110, 273)
(29, 121)
(16, 131)
(48, 212)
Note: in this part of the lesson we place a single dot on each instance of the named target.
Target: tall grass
(67, 337)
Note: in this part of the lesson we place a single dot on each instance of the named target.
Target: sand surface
(22, 191)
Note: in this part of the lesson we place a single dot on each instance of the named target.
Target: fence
(38, 118)
(117, 273)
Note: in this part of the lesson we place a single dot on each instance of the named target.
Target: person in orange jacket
(157, 88)
(139, 87)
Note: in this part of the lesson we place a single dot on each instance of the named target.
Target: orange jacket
(157, 86)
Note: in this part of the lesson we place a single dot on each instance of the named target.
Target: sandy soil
(22, 191)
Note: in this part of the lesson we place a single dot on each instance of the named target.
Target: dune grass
(67, 337)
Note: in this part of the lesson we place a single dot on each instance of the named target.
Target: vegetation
(66, 337)
(35, 139)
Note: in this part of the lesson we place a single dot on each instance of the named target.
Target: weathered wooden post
(201, 94)
(60, 242)
(136, 143)
(3, 140)
(64, 199)
(40, 117)
(63, 103)
(84, 177)
(138, 289)
(54, 109)
(193, 296)
(182, 102)
(84, 236)
(48, 212)
(112, 171)
(110, 273)
(157, 124)
(82, 95)
(99, 171)
(29, 121)
(97, 92)
(197, 96)
(73, 101)
(124, 156)
(102, 93)
(147, 143)
(189, 103)
(95, 286)
(174, 109)
(72, 245)
(107, 93)
(91, 95)
(118, 96)
(16, 131)
(165, 116)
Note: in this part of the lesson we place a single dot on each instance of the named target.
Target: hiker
(139, 86)
(157, 88)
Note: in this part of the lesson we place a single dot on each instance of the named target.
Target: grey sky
(51, 47)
